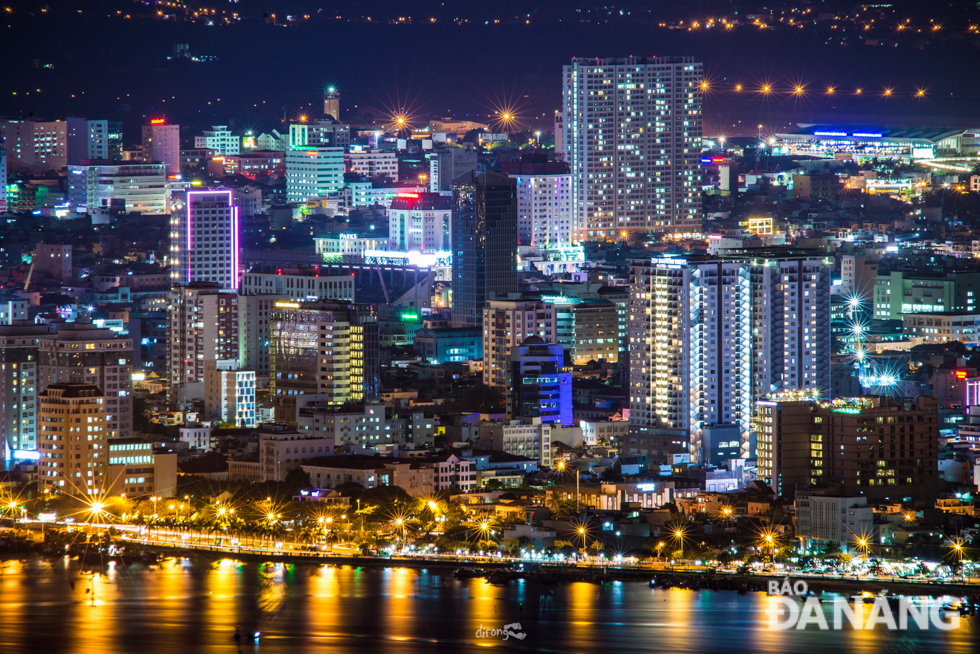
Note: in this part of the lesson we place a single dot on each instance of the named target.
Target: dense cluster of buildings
(444, 309)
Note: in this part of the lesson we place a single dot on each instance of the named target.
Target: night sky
(117, 68)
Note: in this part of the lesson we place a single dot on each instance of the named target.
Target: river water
(186, 606)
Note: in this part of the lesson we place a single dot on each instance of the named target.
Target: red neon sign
(960, 374)
(157, 121)
(408, 195)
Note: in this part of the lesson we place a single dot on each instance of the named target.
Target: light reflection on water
(186, 606)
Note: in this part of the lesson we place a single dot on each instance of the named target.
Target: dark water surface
(183, 606)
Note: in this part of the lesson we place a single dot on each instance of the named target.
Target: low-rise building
(137, 469)
(528, 438)
(843, 520)
(449, 344)
(452, 472)
(612, 432)
(196, 437)
(229, 393)
(345, 424)
(244, 470)
(332, 471)
(282, 449)
(963, 326)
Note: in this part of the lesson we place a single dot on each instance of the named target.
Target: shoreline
(502, 572)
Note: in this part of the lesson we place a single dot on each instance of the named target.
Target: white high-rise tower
(204, 239)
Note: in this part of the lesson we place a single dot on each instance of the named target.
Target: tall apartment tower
(790, 317)
(3, 178)
(331, 102)
(73, 439)
(506, 325)
(328, 348)
(690, 355)
(204, 239)
(484, 225)
(87, 139)
(632, 135)
(19, 386)
(544, 202)
(254, 323)
(81, 353)
(34, 145)
(161, 143)
(709, 336)
(202, 325)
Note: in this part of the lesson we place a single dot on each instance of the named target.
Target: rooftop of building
(924, 134)
(421, 202)
(351, 461)
(72, 390)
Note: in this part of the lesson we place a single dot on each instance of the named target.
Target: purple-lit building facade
(204, 239)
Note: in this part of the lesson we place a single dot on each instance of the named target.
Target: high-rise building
(882, 448)
(857, 276)
(219, 140)
(130, 186)
(421, 222)
(204, 239)
(82, 353)
(898, 292)
(329, 348)
(161, 144)
(202, 322)
(373, 163)
(790, 320)
(484, 227)
(298, 283)
(710, 335)
(73, 439)
(632, 135)
(540, 386)
(324, 133)
(447, 164)
(34, 145)
(87, 140)
(3, 179)
(506, 325)
(53, 259)
(19, 386)
(690, 354)
(114, 139)
(229, 393)
(331, 102)
(313, 171)
(544, 202)
(254, 321)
